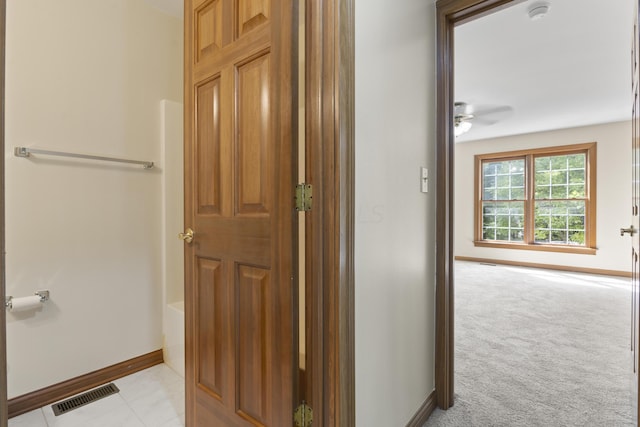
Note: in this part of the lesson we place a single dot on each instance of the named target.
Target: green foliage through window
(558, 199)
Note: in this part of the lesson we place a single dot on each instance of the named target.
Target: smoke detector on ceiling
(538, 10)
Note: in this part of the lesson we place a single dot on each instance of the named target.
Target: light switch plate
(424, 180)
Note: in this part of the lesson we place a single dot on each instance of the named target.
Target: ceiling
(570, 68)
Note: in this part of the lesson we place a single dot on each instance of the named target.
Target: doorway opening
(449, 16)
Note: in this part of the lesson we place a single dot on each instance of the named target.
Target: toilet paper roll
(25, 303)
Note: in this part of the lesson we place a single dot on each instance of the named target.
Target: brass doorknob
(631, 231)
(187, 236)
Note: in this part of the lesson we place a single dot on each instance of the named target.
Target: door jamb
(449, 14)
(330, 56)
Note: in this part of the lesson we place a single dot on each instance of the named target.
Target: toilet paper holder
(44, 296)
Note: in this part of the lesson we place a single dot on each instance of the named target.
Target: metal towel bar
(26, 152)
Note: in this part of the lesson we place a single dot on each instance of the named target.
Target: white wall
(173, 200)
(613, 195)
(85, 76)
(395, 231)
(173, 249)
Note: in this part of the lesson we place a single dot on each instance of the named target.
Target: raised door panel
(212, 330)
(251, 14)
(253, 137)
(209, 29)
(208, 147)
(252, 288)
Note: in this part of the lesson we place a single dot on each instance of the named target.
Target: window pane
(542, 236)
(517, 221)
(489, 220)
(559, 237)
(502, 234)
(517, 235)
(503, 194)
(577, 191)
(543, 221)
(576, 222)
(503, 221)
(504, 167)
(542, 164)
(576, 238)
(503, 180)
(566, 175)
(517, 180)
(488, 169)
(559, 177)
(488, 209)
(558, 162)
(517, 193)
(560, 222)
(543, 178)
(543, 192)
(576, 207)
(576, 176)
(576, 161)
(489, 234)
(489, 194)
(559, 192)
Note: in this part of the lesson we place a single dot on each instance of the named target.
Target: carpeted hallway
(540, 348)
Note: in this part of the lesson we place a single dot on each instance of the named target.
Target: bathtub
(174, 336)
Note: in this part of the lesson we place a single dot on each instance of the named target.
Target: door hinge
(303, 415)
(304, 197)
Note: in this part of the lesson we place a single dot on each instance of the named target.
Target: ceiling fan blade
(481, 114)
(492, 112)
(484, 121)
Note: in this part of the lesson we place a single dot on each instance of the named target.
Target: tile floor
(150, 398)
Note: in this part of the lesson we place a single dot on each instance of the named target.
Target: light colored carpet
(539, 348)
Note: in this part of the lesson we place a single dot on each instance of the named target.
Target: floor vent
(84, 399)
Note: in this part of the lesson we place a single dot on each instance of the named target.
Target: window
(541, 199)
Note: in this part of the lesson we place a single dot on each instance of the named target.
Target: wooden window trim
(590, 201)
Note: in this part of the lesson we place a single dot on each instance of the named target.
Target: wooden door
(635, 202)
(239, 191)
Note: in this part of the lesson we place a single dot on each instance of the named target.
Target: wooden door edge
(449, 13)
(188, 119)
(330, 169)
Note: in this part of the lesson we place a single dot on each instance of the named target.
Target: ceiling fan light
(461, 127)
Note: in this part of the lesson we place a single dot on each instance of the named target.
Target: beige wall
(395, 231)
(613, 195)
(85, 76)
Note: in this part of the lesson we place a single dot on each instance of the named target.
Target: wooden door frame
(330, 56)
(449, 13)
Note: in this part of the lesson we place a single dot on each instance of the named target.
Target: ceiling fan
(464, 115)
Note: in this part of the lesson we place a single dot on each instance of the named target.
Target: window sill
(536, 247)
